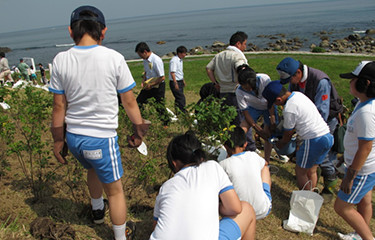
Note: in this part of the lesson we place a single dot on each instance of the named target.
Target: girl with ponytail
(189, 204)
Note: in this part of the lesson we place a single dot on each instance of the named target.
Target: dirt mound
(45, 228)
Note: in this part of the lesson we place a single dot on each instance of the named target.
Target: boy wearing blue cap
(86, 80)
(317, 86)
(301, 116)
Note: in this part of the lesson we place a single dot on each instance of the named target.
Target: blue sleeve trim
(86, 47)
(288, 129)
(226, 189)
(367, 139)
(127, 88)
(56, 91)
(155, 218)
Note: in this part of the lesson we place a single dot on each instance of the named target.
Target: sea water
(202, 28)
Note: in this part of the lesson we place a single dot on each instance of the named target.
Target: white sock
(119, 231)
(97, 203)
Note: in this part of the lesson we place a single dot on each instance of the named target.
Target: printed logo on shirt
(324, 97)
(93, 154)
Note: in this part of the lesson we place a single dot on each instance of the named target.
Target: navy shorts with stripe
(313, 151)
(102, 154)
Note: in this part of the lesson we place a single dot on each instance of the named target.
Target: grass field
(67, 205)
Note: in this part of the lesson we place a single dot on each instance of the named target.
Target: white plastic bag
(304, 211)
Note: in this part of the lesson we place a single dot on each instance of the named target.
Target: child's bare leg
(94, 184)
(117, 204)
(353, 218)
(364, 207)
(246, 221)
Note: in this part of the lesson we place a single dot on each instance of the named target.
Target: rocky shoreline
(359, 43)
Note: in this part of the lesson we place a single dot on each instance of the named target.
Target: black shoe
(130, 230)
(98, 215)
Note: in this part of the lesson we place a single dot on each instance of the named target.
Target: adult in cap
(359, 180)
(302, 117)
(317, 86)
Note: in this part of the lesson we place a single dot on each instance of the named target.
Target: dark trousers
(231, 100)
(158, 94)
(180, 101)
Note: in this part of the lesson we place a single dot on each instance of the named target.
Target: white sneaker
(281, 158)
(349, 236)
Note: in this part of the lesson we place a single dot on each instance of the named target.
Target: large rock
(196, 50)
(5, 49)
(218, 44)
(354, 37)
(324, 44)
(370, 31)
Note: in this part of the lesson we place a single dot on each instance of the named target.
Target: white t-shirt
(154, 66)
(187, 206)
(176, 66)
(361, 126)
(247, 99)
(301, 114)
(91, 77)
(244, 171)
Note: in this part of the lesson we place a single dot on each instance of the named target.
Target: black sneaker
(98, 215)
(130, 230)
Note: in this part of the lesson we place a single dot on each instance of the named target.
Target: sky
(18, 15)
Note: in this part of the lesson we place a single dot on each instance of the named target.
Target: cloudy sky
(19, 15)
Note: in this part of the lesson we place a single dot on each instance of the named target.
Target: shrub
(28, 120)
(318, 50)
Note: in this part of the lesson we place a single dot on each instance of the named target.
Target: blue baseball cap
(76, 15)
(272, 91)
(287, 68)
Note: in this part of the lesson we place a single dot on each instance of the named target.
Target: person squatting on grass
(301, 116)
(253, 105)
(359, 180)
(153, 85)
(189, 204)
(177, 80)
(85, 81)
(244, 167)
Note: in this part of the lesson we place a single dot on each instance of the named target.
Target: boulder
(5, 49)
(354, 37)
(218, 44)
(370, 31)
(324, 44)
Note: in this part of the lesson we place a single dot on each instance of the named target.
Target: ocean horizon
(201, 28)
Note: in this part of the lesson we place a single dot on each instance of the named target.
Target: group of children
(204, 199)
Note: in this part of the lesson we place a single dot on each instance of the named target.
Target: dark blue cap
(76, 15)
(272, 91)
(287, 68)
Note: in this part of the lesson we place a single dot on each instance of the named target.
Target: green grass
(69, 202)
(332, 65)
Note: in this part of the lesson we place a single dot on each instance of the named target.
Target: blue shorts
(102, 154)
(362, 184)
(313, 151)
(267, 191)
(256, 113)
(229, 230)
